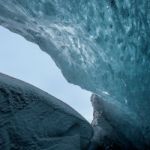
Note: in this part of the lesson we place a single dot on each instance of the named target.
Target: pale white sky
(24, 60)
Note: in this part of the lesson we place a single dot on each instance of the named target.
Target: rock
(31, 119)
(115, 128)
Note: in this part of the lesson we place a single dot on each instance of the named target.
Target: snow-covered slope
(32, 119)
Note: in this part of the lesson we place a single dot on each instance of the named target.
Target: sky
(24, 60)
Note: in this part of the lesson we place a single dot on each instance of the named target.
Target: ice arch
(103, 46)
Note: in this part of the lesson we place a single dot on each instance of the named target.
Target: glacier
(102, 46)
(31, 119)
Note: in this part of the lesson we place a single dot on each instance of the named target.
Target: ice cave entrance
(24, 60)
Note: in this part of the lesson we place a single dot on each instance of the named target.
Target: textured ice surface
(109, 121)
(32, 119)
(101, 45)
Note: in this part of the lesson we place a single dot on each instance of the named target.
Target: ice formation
(100, 45)
(114, 127)
(31, 119)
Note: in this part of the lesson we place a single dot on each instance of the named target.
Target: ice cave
(101, 46)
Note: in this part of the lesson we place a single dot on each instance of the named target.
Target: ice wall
(103, 46)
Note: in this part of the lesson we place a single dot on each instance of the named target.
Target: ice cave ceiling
(100, 45)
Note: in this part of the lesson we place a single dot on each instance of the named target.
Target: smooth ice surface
(24, 60)
(103, 46)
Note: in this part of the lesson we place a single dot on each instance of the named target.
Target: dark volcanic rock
(31, 119)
